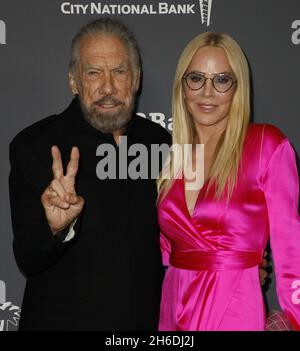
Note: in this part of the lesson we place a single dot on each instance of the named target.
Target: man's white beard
(108, 122)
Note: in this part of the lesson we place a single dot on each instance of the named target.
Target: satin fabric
(212, 280)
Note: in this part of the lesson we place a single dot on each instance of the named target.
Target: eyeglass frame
(234, 81)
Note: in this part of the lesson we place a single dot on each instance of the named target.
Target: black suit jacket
(109, 276)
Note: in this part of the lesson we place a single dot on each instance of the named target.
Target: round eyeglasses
(222, 82)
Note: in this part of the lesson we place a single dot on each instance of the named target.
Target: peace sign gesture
(60, 201)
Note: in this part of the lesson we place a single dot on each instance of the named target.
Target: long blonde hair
(224, 169)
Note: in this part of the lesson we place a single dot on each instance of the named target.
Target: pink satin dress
(213, 256)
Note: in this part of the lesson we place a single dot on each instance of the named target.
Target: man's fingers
(80, 200)
(72, 199)
(59, 189)
(72, 167)
(56, 190)
(57, 202)
(262, 276)
(263, 273)
(57, 166)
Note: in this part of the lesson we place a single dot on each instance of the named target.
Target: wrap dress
(213, 256)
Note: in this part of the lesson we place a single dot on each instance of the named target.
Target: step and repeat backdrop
(35, 37)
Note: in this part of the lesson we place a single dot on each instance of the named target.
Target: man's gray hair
(109, 27)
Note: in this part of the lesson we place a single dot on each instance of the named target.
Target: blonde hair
(224, 169)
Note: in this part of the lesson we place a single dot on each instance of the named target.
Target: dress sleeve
(165, 248)
(281, 187)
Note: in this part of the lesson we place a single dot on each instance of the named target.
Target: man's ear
(137, 81)
(73, 84)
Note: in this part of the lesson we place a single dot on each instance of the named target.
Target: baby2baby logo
(9, 313)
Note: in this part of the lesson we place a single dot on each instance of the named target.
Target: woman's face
(207, 106)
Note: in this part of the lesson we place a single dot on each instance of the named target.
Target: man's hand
(60, 201)
(263, 274)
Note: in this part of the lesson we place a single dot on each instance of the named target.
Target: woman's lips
(206, 107)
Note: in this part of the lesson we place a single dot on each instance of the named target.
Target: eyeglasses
(222, 82)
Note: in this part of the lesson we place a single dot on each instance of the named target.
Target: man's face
(105, 83)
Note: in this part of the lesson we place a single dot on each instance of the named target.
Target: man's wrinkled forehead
(102, 46)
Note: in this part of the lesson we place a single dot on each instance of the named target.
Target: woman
(213, 239)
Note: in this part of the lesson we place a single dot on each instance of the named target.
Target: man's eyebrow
(87, 66)
(121, 65)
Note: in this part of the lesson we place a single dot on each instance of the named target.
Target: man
(92, 260)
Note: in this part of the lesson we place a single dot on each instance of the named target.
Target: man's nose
(108, 84)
